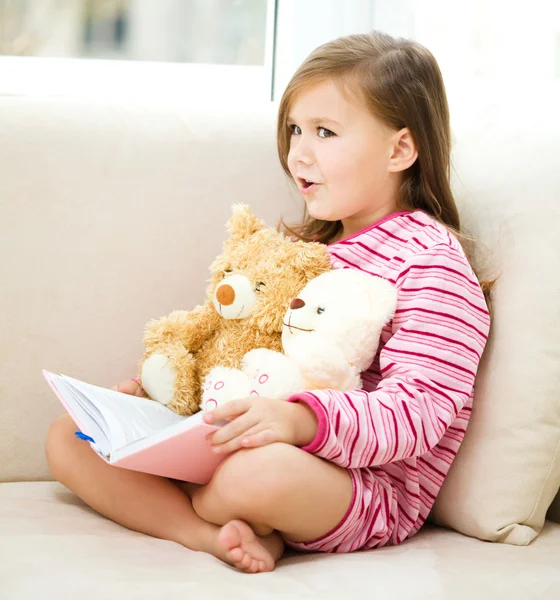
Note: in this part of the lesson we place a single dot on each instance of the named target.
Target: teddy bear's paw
(159, 378)
(268, 384)
(222, 385)
(254, 360)
(273, 375)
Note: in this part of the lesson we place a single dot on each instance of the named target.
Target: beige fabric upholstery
(110, 215)
(54, 546)
(508, 469)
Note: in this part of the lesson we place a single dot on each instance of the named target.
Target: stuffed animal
(330, 335)
(253, 280)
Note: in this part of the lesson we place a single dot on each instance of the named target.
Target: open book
(137, 433)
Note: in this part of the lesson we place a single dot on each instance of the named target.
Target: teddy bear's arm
(190, 328)
(323, 365)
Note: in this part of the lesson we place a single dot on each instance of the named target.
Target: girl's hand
(257, 421)
(130, 386)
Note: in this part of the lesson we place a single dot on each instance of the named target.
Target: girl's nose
(301, 153)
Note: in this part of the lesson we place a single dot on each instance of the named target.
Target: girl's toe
(236, 555)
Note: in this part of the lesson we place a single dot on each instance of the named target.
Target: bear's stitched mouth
(221, 314)
(290, 327)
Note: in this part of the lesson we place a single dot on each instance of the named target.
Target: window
(164, 49)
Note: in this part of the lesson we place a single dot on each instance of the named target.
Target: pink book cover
(185, 455)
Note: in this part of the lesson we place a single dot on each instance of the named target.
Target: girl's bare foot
(240, 546)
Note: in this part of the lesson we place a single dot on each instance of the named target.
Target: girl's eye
(320, 311)
(324, 133)
(259, 285)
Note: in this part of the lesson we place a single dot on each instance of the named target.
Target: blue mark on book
(83, 436)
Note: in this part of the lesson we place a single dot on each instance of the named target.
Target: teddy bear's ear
(311, 258)
(243, 222)
(382, 296)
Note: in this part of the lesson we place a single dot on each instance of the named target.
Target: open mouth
(307, 185)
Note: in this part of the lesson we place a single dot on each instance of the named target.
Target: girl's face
(342, 158)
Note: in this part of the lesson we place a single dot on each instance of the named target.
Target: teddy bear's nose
(225, 295)
(297, 303)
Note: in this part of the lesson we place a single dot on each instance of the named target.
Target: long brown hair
(400, 82)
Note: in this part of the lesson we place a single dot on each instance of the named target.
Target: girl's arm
(428, 367)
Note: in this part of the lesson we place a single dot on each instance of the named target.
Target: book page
(128, 418)
(86, 414)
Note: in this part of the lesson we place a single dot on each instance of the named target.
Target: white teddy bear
(330, 335)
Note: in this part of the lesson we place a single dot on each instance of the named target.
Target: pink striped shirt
(408, 422)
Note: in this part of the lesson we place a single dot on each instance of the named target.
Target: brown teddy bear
(253, 281)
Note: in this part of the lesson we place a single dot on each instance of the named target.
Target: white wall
(511, 43)
(302, 25)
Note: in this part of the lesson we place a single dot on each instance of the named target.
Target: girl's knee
(253, 474)
(59, 445)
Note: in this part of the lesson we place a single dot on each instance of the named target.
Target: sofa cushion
(508, 469)
(54, 546)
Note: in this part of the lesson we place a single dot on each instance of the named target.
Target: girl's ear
(243, 222)
(404, 152)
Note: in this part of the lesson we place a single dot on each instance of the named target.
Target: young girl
(363, 131)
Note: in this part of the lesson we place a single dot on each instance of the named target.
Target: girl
(363, 131)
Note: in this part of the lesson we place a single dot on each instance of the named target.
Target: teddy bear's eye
(259, 285)
(227, 271)
(320, 311)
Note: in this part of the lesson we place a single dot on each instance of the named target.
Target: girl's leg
(139, 501)
(279, 486)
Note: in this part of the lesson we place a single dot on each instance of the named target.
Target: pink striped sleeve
(428, 368)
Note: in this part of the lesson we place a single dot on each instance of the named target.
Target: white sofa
(109, 216)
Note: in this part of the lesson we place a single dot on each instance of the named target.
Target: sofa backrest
(110, 215)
